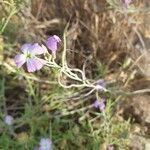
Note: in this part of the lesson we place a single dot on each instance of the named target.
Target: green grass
(66, 132)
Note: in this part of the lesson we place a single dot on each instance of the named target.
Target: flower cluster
(31, 57)
(31, 51)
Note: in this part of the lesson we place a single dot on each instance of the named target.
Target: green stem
(65, 46)
(13, 11)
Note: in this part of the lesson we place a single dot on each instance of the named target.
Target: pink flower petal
(30, 66)
(20, 59)
(99, 104)
(39, 63)
(127, 3)
(110, 147)
(25, 48)
(34, 64)
(57, 38)
(37, 49)
(52, 43)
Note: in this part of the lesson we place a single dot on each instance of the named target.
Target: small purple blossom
(111, 147)
(45, 144)
(9, 120)
(28, 56)
(52, 43)
(99, 104)
(101, 85)
(127, 3)
(102, 82)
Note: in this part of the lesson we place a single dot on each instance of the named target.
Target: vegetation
(75, 100)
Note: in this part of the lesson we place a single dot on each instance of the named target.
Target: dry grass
(96, 31)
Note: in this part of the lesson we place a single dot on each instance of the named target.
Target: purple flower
(45, 144)
(28, 56)
(102, 82)
(9, 120)
(101, 85)
(52, 43)
(127, 3)
(110, 147)
(99, 104)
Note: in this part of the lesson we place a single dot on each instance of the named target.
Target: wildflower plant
(30, 53)
(35, 56)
